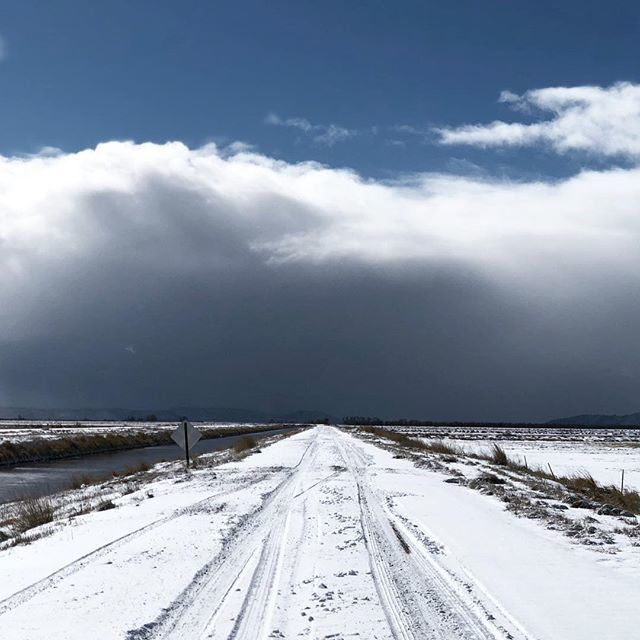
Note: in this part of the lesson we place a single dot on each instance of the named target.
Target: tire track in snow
(303, 526)
(194, 613)
(257, 609)
(483, 608)
(26, 593)
(404, 625)
(419, 598)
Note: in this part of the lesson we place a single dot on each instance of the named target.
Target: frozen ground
(322, 536)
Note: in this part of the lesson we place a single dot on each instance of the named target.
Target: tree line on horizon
(372, 421)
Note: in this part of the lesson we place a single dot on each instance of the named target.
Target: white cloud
(323, 134)
(604, 121)
(306, 212)
(3, 48)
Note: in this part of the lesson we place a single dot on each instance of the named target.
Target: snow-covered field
(322, 535)
(531, 432)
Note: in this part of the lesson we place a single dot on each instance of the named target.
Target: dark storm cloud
(151, 276)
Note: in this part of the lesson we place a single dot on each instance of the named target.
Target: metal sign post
(186, 436)
(186, 442)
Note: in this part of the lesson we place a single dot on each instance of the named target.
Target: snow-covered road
(319, 536)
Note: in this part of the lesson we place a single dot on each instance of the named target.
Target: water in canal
(43, 477)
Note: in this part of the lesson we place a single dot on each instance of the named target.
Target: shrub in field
(86, 479)
(394, 436)
(440, 446)
(499, 456)
(32, 512)
(586, 485)
(105, 505)
(132, 470)
(244, 443)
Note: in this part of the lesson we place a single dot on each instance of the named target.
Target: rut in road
(256, 612)
(419, 601)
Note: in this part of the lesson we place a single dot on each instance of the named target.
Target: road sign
(186, 436)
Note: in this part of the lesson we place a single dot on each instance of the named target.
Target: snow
(320, 535)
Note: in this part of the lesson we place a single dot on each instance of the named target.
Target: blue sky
(76, 73)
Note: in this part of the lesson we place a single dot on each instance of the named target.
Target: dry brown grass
(31, 513)
(244, 443)
(445, 448)
(87, 479)
(77, 445)
(132, 470)
(587, 486)
(499, 456)
(436, 446)
(583, 484)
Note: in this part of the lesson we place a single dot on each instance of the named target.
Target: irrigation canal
(41, 477)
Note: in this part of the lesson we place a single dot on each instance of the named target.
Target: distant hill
(600, 420)
(210, 414)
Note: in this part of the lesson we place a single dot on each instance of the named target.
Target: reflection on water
(41, 477)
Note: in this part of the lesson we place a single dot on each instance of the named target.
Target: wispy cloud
(296, 123)
(408, 131)
(333, 133)
(3, 48)
(604, 121)
(324, 134)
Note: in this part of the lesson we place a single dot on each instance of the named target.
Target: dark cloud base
(443, 345)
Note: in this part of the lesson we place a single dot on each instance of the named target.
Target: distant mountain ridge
(600, 420)
(211, 414)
